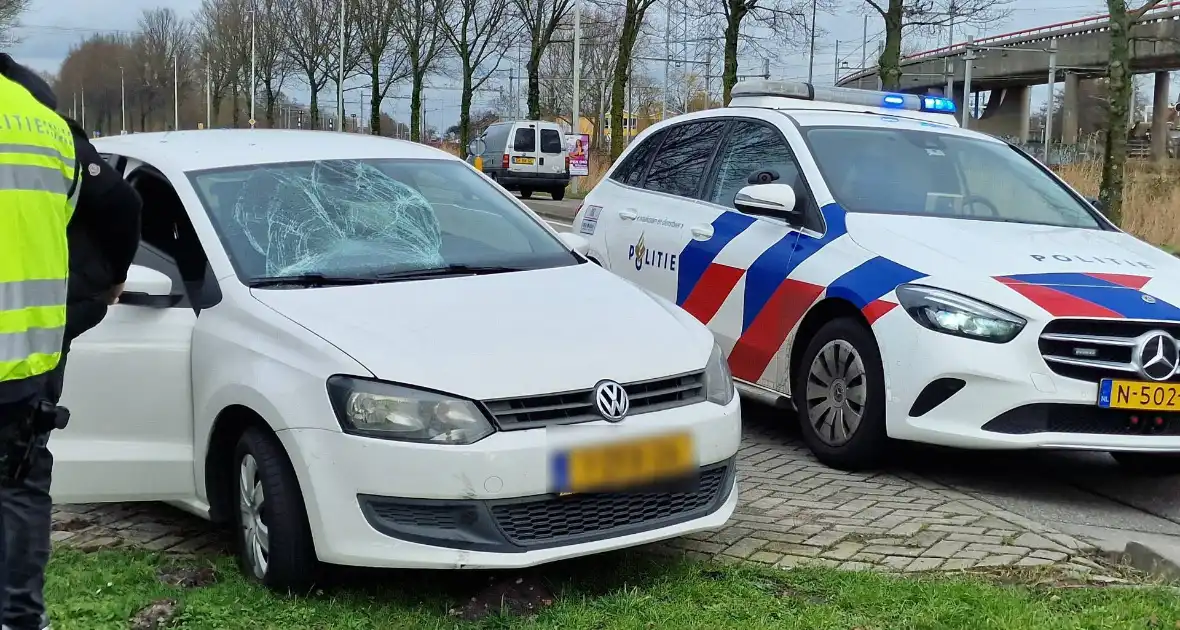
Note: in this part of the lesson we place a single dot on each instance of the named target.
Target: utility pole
(84, 107)
(575, 122)
(208, 93)
(1049, 105)
(946, 61)
(340, 76)
(667, 57)
(175, 91)
(836, 65)
(253, 65)
(122, 100)
(968, 62)
(864, 44)
(811, 55)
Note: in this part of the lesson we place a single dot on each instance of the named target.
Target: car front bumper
(380, 503)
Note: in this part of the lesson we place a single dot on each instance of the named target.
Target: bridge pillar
(1069, 110)
(1007, 113)
(1159, 117)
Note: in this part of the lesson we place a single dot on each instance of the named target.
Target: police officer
(103, 235)
(38, 180)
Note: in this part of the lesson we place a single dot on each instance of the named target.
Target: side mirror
(148, 287)
(768, 200)
(576, 242)
(476, 147)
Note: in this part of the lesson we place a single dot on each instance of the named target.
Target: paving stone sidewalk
(794, 511)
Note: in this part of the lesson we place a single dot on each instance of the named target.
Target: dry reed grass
(1151, 199)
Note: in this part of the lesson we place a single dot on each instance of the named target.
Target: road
(1084, 494)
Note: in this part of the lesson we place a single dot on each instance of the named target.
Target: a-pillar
(1069, 110)
(1159, 118)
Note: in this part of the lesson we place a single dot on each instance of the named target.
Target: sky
(52, 26)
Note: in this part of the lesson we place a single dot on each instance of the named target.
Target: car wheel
(558, 194)
(526, 193)
(273, 537)
(1151, 464)
(839, 393)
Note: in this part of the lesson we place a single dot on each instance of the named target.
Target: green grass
(626, 590)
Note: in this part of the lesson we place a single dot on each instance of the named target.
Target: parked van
(525, 156)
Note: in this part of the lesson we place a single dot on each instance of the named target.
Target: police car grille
(530, 412)
(1091, 350)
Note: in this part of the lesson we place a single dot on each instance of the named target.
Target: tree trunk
(1120, 89)
(269, 91)
(729, 73)
(465, 109)
(416, 105)
(889, 63)
(534, 70)
(619, 84)
(314, 102)
(375, 102)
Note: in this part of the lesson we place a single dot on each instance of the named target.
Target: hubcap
(836, 392)
(252, 503)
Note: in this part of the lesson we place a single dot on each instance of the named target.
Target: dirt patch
(155, 616)
(72, 524)
(516, 597)
(187, 577)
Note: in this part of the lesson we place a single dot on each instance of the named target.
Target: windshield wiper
(448, 270)
(310, 280)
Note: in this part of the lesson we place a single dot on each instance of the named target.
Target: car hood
(503, 335)
(1066, 271)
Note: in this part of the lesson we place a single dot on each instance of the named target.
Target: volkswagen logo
(611, 400)
(1156, 355)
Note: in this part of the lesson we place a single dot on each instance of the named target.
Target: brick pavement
(794, 511)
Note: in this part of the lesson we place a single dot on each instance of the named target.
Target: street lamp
(122, 99)
(253, 79)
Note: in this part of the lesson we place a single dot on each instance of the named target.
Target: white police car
(898, 276)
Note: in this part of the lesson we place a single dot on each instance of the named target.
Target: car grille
(565, 519)
(1091, 350)
(530, 412)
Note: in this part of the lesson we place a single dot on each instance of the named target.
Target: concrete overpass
(1082, 47)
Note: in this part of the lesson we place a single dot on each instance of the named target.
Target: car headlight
(954, 314)
(396, 412)
(718, 380)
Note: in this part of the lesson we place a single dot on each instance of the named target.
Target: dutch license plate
(523, 160)
(621, 465)
(1114, 394)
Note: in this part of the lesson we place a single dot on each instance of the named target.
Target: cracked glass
(372, 216)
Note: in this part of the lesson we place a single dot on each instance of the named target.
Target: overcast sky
(52, 26)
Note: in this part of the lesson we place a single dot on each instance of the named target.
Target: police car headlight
(395, 412)
(954, 314)
(718, 380)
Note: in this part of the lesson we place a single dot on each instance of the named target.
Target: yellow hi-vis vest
(37, 176)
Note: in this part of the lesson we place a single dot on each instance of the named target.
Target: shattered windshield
(362, 218)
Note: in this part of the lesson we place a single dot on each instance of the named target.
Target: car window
(369, 216)
(551, 141)
(752, 148)
(525, 140)
(926, 172)
(680, 164)
(631, 169)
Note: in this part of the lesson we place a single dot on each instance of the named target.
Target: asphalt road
(1085, 494)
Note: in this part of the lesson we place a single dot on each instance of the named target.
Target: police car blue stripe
(774, 265)
(871, 280)
(698, 255)
(1129, 303)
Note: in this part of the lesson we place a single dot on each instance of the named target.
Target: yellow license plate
(523, 160)
(1114, 394)
(622, 465)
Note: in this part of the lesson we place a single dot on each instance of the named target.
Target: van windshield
(907, 171)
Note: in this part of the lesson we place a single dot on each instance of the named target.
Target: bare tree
(383, 57)
(1120, 91)
(10, 11)
(310, 30)
(215, 25)
(162, 40)
(273, 65)
(634, 13)
(419, 26)
(475, 29)
(540, 19)
(785, 19)
(928, 17)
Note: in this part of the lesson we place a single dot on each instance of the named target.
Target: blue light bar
(938, 104)
(893, 101)
(843, 95)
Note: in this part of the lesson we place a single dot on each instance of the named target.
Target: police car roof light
(846, 96)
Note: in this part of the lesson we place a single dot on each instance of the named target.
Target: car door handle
(628, 215)
(702, 232)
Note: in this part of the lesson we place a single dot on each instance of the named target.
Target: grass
(631, 590)
(1151, 199)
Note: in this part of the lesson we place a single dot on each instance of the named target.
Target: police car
(895, 276)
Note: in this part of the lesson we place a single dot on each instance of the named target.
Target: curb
(555, 216)
(1145, 558)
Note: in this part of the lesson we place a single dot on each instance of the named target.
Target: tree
(420, 28)
(540, 19)
(380, 48)
(163, 39)
(310, 28)
(634, 13)
(10, 10)
(1119, 89)
(476, 33)
(91, 69)
(928, 16)
(216, 22)
(782, 17)
(271, 60)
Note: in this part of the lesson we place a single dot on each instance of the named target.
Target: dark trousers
(27, 515)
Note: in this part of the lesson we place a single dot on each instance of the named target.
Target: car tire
(558, 194)
(852, 344)
(275, 547)
(526, 193)
(1149, 464)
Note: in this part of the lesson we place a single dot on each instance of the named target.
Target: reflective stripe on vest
(37, 170)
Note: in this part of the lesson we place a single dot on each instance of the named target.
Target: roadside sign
(252, 122)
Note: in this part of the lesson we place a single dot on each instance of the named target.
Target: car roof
(197, 150)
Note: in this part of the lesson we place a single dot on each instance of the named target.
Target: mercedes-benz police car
(896, 276)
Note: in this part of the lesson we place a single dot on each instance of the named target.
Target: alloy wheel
(252, 503)
(836, 392)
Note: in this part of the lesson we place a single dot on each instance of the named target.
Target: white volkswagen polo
(361, 351)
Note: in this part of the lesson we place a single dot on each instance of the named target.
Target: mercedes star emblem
(612, 401)
(1157, 355)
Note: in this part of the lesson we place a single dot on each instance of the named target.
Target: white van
(526, 156)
